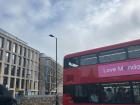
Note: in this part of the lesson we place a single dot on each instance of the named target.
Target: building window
(6, 69)
(36, 67)
(36, 75)
(28, 53)
(19, 60)
(1, 53)
(14, 47)
(24, 62)
(31, 84)
(1, 42)
(34, 85)
(22, 83)
(28, 74)
(31, 55)
(23, 72)
(18, 71)
(12, 83)
(8, 45)
(13, 69)
(7, 58)
(27, 84)
(5, 81)
(32, 64)
(20, 49)
(14, 59)
(17, 83)
(31, 73)
(35, 56)
(0, 68)
(24, 51)
(28, 63)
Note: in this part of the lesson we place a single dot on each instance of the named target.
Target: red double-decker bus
(103, 76)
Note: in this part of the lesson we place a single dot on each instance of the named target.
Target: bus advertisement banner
(118, 69)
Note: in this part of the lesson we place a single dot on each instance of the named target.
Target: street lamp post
(55, 66)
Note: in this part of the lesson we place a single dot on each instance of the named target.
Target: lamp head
(51, 35)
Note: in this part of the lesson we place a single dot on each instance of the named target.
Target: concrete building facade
(47, 75)
(19, 65)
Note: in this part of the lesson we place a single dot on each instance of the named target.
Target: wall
(39, 100)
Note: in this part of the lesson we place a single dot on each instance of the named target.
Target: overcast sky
(78, 24)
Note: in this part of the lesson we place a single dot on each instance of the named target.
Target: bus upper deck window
(71, 62)
(88, 59)
(112, 55)
(134, 51)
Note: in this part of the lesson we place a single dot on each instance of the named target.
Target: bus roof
(115, 46)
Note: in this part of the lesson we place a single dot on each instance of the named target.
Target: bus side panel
(82, 74)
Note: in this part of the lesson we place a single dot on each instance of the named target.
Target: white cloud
(78, 24)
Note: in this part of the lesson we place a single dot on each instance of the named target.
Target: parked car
(5, 97)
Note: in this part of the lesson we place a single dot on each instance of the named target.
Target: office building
(19, 65)
(47, 76)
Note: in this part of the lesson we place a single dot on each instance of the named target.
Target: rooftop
(11, 36)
